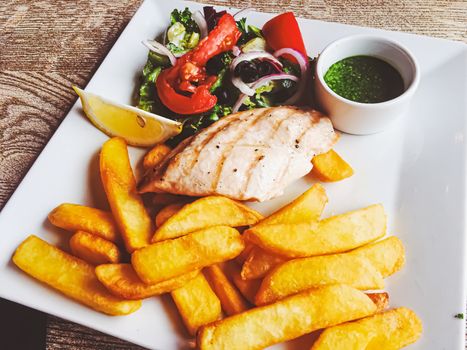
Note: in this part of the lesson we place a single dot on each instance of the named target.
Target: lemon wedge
(135, 126)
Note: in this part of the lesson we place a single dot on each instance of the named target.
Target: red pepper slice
(283, 31)
(190, 69)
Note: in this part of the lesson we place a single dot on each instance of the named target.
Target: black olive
(214, 65)
(224, 96)
(266, 68)
(247, 71)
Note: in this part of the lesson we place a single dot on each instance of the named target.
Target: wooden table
(46, 46)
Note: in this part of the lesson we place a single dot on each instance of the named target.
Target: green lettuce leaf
(185, 18)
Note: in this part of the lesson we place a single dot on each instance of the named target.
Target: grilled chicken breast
(250, 155)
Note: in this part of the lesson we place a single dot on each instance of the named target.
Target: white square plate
(416, 169)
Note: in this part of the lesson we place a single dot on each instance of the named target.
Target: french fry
(381, 300)
(362, 268)
(69, 275)
(245, 253)
(155, 155)
(126, 204)
(287, 319)
(386, 255)
(206, 212)
(330, 167)
(197, 303)
(390, 330)
(167, 212)
(122, 281)
(74, 217)
(305, 208)
(248, 288)
(333, 235)
(94, 249)
(259, 263)
(231, 300)
(167, 259)
(301, 274)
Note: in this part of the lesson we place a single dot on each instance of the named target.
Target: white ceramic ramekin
(365, 118)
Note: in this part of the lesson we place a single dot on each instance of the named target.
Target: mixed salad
(211, 64)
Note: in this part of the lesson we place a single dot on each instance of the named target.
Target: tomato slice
(189, 74)
(283, 31)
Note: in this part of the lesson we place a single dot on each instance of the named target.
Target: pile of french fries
(238, 280)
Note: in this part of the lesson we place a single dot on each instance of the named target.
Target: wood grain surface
(46, 46)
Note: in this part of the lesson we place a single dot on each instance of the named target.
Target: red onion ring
(202, 24)
(239, 103)
(236, 51)
(266, 79)
(304, 67)
(260, 82)
(242, 86)
(248, 56)
(157, 47)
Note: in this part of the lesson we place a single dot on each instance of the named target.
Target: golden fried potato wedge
(155, 155)
(126, 204)
(248, 288)
(94, 249)
(330, 167)
(333, 235)
(74, 217)
(71, 276)
(287, 319)
(245, 253)
(259, 263)
(381, 300)
(231, 300)
(305, 208)
(122, 281)
(167, 212)
(390, 330)
(301, 274)
(387, 255)
(167, 259)
(206, 212)
(197, 303)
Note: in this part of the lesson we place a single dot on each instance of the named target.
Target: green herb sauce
(364, 79)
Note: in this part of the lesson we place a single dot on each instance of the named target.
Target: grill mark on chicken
(212, 130)
(254, 164)
(210, 158)
(226, 151)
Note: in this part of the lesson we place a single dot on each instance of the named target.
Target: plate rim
(132, 21)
